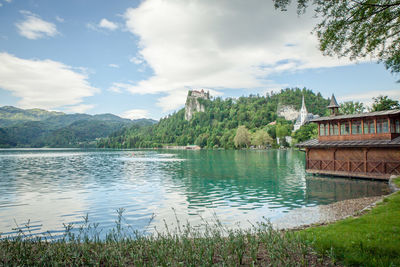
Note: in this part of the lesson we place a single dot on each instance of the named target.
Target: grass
(372, 239)
(397, 182)
(214, 245)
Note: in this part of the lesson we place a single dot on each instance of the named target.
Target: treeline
(217, 126)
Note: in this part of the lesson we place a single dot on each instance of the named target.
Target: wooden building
(363, 145)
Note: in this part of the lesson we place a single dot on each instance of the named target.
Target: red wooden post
(350, 130)
(362, 126)
(334, 159)
(307, 157)
(365, 160)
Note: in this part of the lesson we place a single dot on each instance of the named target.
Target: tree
(261, 138)
(356, 29)
(242, 137)
(201, 140)
(384, 103)
(351, 107)
(282, 130)
(306, 132)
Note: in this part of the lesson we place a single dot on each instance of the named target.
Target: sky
(138, 59)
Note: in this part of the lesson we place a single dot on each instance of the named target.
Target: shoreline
(327, 214)
(334, 212)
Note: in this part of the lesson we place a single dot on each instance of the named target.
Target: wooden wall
(358, 162)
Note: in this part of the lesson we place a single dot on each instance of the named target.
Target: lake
(52, 187)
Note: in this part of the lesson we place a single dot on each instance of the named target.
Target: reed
(210, 245)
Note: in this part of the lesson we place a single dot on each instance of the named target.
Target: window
(397, 125)
(345, 128)
(334, 129)
(356, 127)
(382, 126)
(369, 127)
(322, 129)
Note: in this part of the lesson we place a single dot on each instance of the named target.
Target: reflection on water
(52, 187)
(326, 190)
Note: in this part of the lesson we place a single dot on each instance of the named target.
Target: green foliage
(5, 140)
(384, 103)
(216, 127)
(242, 137)
(370, 240)
(306, 132)
(351, 107)
(210, 244)
(356, 29)
(261, 139)
(38, 128)
(11, 115)
(282, 130)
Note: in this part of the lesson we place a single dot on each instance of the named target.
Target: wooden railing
(380, 167)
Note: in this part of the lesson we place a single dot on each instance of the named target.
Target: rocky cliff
(193, 104)
(288, 112)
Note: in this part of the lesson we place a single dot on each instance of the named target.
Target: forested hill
(11, 115)
(40, 128)
(216, 127)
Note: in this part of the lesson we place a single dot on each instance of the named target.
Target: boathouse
(365, 145)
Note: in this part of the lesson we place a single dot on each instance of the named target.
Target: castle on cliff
(193, 104)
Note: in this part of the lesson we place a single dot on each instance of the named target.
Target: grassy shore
(372, 239)
(213, 246)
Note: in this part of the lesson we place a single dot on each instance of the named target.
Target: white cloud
(43, 83)
(33, 27)
(113, 66)
(134, 114)
(1, 4)
(104, 24)
(226, 43)
(109, 25)
(82, 108)
(136, 60)
(59, 19)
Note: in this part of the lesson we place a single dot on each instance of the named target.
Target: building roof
(361, 115)
(333, 103)
(357, 143)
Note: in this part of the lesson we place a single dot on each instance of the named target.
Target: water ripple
(56, 187)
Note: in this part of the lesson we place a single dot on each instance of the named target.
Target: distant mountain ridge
(10, 115)
(40, 128)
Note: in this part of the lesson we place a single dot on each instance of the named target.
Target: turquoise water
(52, 187)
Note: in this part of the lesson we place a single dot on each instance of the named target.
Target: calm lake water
(50, 187)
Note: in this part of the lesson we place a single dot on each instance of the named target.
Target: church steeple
(303, 105)
(333, 106)
(303, 112)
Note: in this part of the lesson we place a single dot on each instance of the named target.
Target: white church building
(303, 117)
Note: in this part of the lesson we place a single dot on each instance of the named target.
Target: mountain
(11, 115)
(39, 128)
(216, 126)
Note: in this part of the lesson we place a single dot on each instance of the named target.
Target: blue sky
(139, 58)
